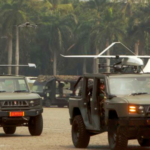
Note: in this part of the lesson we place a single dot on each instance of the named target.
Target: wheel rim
(112, 136)
(76, 133)
(112, 139)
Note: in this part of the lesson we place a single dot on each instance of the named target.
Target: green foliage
(71, 27)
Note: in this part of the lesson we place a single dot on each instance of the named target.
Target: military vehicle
(18, 106)
(124, 110)
(54, 90)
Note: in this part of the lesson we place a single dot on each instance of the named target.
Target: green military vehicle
(126, 109)
(54, 90)
(18, 106)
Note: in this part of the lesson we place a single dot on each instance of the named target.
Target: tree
(82, 42)
(111, 26)
(58, 26)
(12, 14)
(138, 30)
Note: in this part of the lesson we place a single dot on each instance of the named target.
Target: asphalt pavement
(56, 135)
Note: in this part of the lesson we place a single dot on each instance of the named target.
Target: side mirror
(110, 96)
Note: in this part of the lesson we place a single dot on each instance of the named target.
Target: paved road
(56, 135)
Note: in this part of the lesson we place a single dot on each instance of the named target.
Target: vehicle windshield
(129, 85)
(13, 85)
(37, 88)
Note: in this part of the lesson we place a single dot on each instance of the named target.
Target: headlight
(35, 102)
(136, 109)
(141, 109)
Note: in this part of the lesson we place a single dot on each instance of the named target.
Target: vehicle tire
(9, 130)
(47, 103)
(117, 136)
(143, 142)
(36, 125)
(80, 136)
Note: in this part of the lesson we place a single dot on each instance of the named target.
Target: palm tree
(139, 26)
(82, 43)
(105, 25)
(12, 15)
(58, 29)
(108, 28)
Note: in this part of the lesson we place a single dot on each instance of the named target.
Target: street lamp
(26, 24)
(9, 42)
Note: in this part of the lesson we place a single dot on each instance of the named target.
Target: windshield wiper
(140, 93)
(21, 91)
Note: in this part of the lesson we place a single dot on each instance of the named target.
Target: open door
(97, 119)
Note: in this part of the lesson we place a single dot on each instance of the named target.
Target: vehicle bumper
(27, 113)
(134, 121)
(136, 127)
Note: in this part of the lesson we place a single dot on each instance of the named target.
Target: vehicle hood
(138, 99)
(40, 93)
(18, 96)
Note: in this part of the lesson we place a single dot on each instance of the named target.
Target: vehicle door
(95, 103)
(82, 99)
(76, 90)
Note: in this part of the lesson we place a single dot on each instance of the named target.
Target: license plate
(16, 114)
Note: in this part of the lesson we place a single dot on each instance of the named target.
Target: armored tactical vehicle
(18, 106)
(126, 107)
(54, 90)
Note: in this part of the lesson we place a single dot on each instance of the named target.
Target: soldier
(102, 98)
(60, 87)
(102, 92)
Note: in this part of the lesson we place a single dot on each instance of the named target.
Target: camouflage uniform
(102, 98)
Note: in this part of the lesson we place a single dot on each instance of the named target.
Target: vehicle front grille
(17, 103)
